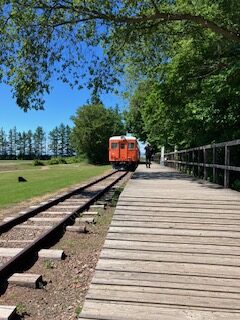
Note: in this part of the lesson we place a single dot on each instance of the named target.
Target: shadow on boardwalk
(171, 175)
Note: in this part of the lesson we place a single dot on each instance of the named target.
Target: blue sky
(61, 104)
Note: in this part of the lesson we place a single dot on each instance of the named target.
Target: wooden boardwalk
(172, 252)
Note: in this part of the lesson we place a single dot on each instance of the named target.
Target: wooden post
(226, 163)
(175, 157)
(204, 161)
(198, 160)
(162, 156)
(213, 162)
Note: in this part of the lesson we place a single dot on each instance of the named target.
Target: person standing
(148, 154)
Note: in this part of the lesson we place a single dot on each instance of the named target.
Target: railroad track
(48, 221)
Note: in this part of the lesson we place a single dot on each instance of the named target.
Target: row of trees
(94, 124)
(30, 145)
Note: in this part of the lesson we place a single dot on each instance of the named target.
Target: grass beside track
(43, 181)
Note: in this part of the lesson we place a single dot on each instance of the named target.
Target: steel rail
(14, 264)
(5, 226)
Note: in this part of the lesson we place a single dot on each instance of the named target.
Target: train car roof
(122, 138)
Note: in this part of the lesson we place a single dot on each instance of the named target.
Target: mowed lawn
(42, 180)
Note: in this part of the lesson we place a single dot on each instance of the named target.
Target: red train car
(124, 152)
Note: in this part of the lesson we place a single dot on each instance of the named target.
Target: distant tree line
(35, 145)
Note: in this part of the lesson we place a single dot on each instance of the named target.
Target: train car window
(122, 146)
(131, 146)
(114, 145)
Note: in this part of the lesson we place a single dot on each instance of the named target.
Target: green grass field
(40, 180)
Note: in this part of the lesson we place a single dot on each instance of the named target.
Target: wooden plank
(43, 253)
(181, 239)
(167, 280)
(174, 291)
(29, 280)
(182, 202)
(176, 299)
(175, 225)
(32, 227)
(9, 252)
(172, 247)
(8, 218)
(57, 212)
(72, 200)
(155, 267)
(182, 232)
(172, 204)
(15, 241)
(179, 209)
(7, 312)
(54, 254)
(184, 198)
(164, 286)
(78, 229)
(171, 219)
(164, 214)
(45, 219)
(94, 309)
(85, 219)
(90, 214)
(67, 206)
(198, 258)
(97, 206)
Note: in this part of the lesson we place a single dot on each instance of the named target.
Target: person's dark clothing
(148, 153)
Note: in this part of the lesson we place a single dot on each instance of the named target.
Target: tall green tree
(29, 148)
(54, 141)
(3, 144)
(68, 144)
(62, 139)
(93, 126)
(39, 138)
(11, 144)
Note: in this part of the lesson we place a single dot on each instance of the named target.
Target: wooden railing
(209, 162)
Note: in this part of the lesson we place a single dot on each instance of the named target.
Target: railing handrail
(208, 146)
(182, 158)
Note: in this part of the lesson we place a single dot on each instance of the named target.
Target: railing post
(198, 160)
(162, 156)
(204, 162)
(214, 160)
(226, 163)
(175, 157)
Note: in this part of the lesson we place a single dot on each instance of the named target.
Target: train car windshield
(122, 146)
(114, 145)
(131, 146)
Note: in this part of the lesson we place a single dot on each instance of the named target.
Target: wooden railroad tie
(29, 280)
(7, 312)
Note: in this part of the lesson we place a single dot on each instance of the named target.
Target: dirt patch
(67, 280)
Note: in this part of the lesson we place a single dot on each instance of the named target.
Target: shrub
(57, 161)
(75, 159)
(53, 161)
(62, 160)
(37, 162)
(236, 185)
